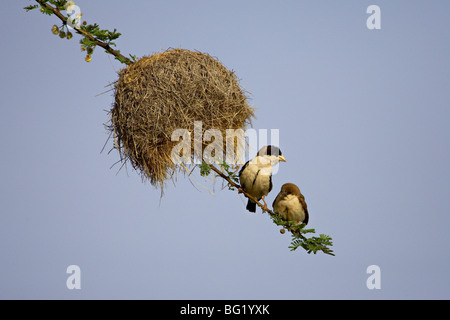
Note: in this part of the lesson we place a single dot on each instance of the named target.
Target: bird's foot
(240, 190)
(264, 208)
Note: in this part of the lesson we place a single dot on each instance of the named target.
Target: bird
(290, 204)
(256, 175)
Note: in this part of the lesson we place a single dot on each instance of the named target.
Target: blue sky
(363, 118)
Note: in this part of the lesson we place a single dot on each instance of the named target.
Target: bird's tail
(251, 206)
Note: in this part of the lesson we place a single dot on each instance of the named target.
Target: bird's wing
(256, 176)
(301, 198)
(280, 196)
(243, 168)
(240, 172)
(270, 183)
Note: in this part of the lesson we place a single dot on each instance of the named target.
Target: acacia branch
(296, 230)
(270, 212)
(78, 30)
(232, 183)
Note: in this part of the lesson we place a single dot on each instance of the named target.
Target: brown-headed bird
(256, 175)
(290, 204)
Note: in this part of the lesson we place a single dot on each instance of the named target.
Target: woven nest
(167, 91)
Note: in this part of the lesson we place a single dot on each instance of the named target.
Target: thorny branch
(84, 33)
(235, 185)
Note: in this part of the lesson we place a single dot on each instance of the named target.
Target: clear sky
(364, 124)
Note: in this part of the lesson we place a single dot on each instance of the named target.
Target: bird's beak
(282, 159)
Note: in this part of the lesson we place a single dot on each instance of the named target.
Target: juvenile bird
(290, 204)
(256, 175)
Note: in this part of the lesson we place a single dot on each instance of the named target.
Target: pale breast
(290, 208)
(256, 180)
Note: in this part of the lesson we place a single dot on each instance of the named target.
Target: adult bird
(256, 175)
(291, 205)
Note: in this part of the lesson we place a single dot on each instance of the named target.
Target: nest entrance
(167, 91)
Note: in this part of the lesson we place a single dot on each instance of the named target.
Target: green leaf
(205, 170)
(87, 42)
(133, 58)
(313, 244)
(122, 60)
(60, 4)
(47, 11)
(29, 8)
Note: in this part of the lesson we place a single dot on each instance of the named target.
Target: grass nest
(167, 91)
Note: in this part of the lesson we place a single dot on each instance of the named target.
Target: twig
(295, 230)
(235, 185)
(99, 43)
